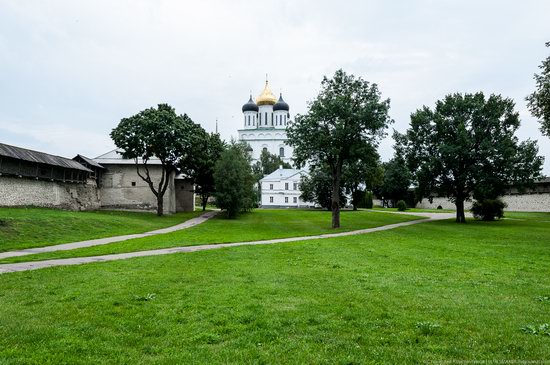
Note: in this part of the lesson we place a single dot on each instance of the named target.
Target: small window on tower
(270, 186)
(281, 152)
(133, 183)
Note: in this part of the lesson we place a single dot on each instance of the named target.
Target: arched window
(264, 149)
(265, 118)
(282, 152)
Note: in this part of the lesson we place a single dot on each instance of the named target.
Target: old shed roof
(89, 161)
(39, 157)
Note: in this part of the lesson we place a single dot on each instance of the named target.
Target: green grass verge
(260, 224)
(38, 227)
(426, 293)
(418, 210)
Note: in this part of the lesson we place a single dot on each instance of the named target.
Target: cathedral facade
(265, 121)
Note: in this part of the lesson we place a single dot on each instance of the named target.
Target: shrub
(401, 206)
(368, 200)
(488, 209)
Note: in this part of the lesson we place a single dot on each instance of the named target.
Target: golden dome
(266, 97)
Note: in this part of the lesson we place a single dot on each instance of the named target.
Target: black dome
(250, 106)
(281, 105)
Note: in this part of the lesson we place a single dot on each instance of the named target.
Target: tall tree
(362, 174)
(397, 179)
(347, 115)
(467, 144)
(317, 188)
(155, 132)
(199, 165)
(234, 181)
(539, 100)
(269, 162)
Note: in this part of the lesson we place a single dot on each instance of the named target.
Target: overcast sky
(70, 70)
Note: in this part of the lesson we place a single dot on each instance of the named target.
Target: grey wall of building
(16, 191)
(122, 188)
(185, 195)
(516, 202)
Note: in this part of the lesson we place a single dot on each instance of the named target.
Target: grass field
(37, 227)
(430, 292)
(260, 224)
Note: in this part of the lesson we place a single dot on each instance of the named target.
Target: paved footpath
(103, 241)
(25, 266)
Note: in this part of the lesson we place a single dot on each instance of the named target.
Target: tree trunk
(204, 201)
(460, 218)
(336, 201)
(160, 205)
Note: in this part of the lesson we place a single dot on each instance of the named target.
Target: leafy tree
(267, 163)
(467, 146)
(199, 165)
(396, 181)
(361, 175)
(155, 132)
(539, 100)
(317, 188)
(347, 115)
(234, 181)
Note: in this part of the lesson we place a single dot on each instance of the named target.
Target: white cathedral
(265, 124)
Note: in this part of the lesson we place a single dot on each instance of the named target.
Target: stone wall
(185, 195)
(517, 202)
(16, 191)
(122, 188)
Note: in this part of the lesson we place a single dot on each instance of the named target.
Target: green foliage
(234, 181)
(268, 163)
(365, 172)
(427, 328)
(401, 205)
(397, 179)
(347, 117)
(539, 101)
(541, 329)
(488, 209)
(156, 132)
(317, 188)
(368, 200)
(199, 165)
(467, 146)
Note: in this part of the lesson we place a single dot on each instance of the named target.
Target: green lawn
(418, 210)
(37, 227)
(419, 294)
(259, 224)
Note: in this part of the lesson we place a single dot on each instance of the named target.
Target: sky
(70, 70)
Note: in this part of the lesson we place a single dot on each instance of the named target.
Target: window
(295, 186)
(264, 149)
(270, 186)
(286, 199)
(295, 200)
(265, 118)
(282, 152)
(271, 199)
(133, 183)
(286, 186)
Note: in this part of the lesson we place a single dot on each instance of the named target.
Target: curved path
(103, 241)
(25, 266)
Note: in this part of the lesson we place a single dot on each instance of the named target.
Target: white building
(281, 188)
(265, 123)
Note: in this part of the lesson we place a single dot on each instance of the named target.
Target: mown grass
(38, 227)
(426, 293)
(259, 224)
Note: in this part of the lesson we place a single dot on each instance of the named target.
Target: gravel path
(103, 241)
(25, 266)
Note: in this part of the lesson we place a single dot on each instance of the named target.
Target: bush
(368, 200)
(401, 206)
(234, 182)
(488, 209)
